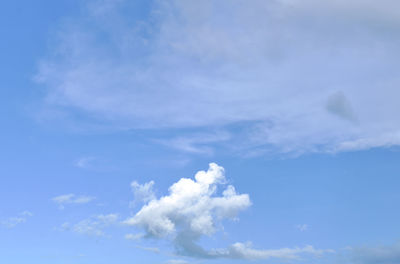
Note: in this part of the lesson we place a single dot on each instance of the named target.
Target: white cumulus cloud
(191, 204)
(193, 209)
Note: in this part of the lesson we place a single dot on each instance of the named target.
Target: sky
(214, 131)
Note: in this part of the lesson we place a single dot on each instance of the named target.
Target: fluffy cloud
(71, 198)
(191, 206)
(93, 226)
(14, 221)
(193, 209)
(296, 71)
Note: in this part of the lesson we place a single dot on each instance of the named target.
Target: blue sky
(208, 131)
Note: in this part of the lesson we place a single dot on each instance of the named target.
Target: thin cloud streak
(71, 198)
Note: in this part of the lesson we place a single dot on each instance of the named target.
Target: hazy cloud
(274, 64)
(246, 251)
(143, 192)
(196, 143)
(176, 261)
(93, 226)
(150, 249)
(11, 222)
(339, 105)
(133, 236)
(302, 227)
(84, 162)
(376, 255)
(71, 198)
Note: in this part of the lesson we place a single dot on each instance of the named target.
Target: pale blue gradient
(347, 200)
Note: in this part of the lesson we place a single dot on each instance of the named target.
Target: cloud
(193, 209)
(93, 226)
(84, 162)
(376, 255)
(196, 143)
(246, 251)
(133, 236)
(12, 222)
(338, 105)
(143, 192)
(190, 203)
(302, 227)
(71, 198)
(176, 261)
(277, 65)
(150, 249)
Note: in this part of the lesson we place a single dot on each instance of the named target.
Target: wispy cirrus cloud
(93, 226)
(246, 251)
(196, 143)
(71, 198)
(290, 69)
(12, 222)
